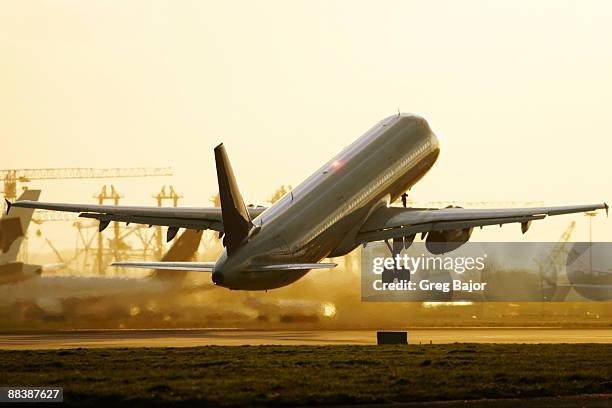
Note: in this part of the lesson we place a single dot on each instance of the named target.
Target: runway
(230, 337)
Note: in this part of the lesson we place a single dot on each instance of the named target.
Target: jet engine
(441, 242)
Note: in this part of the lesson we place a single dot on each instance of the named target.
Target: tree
(281, 191)
(216, 200)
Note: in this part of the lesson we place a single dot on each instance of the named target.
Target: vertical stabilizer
(13, 228)
(236, 220)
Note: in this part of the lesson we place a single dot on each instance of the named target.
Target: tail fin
(13, 228)
(236, 219)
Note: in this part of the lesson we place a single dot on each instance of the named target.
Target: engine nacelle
(441, 242)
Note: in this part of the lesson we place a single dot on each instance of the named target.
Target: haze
(519, 93)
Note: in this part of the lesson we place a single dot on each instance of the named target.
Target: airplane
(12, 233)
(344, 204)
(27, 287)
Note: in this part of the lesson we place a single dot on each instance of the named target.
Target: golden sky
(518, 91)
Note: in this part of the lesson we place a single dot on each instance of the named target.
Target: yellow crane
(13, 176)
(163, 195)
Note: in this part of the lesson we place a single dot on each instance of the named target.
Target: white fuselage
(322, 216)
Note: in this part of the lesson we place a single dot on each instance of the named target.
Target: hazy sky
(519, 92)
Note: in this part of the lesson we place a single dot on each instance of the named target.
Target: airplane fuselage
(321, 216)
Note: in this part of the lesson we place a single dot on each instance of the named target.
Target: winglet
(8, 206)
(606, 208)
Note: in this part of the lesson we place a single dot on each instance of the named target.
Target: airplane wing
(396, 222)
(292, 267)
(196, 218)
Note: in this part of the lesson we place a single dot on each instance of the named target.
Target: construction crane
(590, 214)
(91, 240)
(163, 195)
(13, 176)
(41, 216)
(551, 263)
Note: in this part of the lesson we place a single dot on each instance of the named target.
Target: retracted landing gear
(390, 275)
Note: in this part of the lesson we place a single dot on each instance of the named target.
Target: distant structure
(117, 248)
(280, 192)
(552, 264)
(13, 176)
(161, 197)
(14, 179)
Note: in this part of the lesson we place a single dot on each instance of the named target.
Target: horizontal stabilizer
(208, 266)
(172, 266)
(291, 267)
(53, 267)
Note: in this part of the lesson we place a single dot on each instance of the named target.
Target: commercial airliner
(12, 233)
(342, 205)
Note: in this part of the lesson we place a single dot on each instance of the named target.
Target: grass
(311, 375)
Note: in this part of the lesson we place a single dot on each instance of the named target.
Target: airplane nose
(434, 139)
(434, 135)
